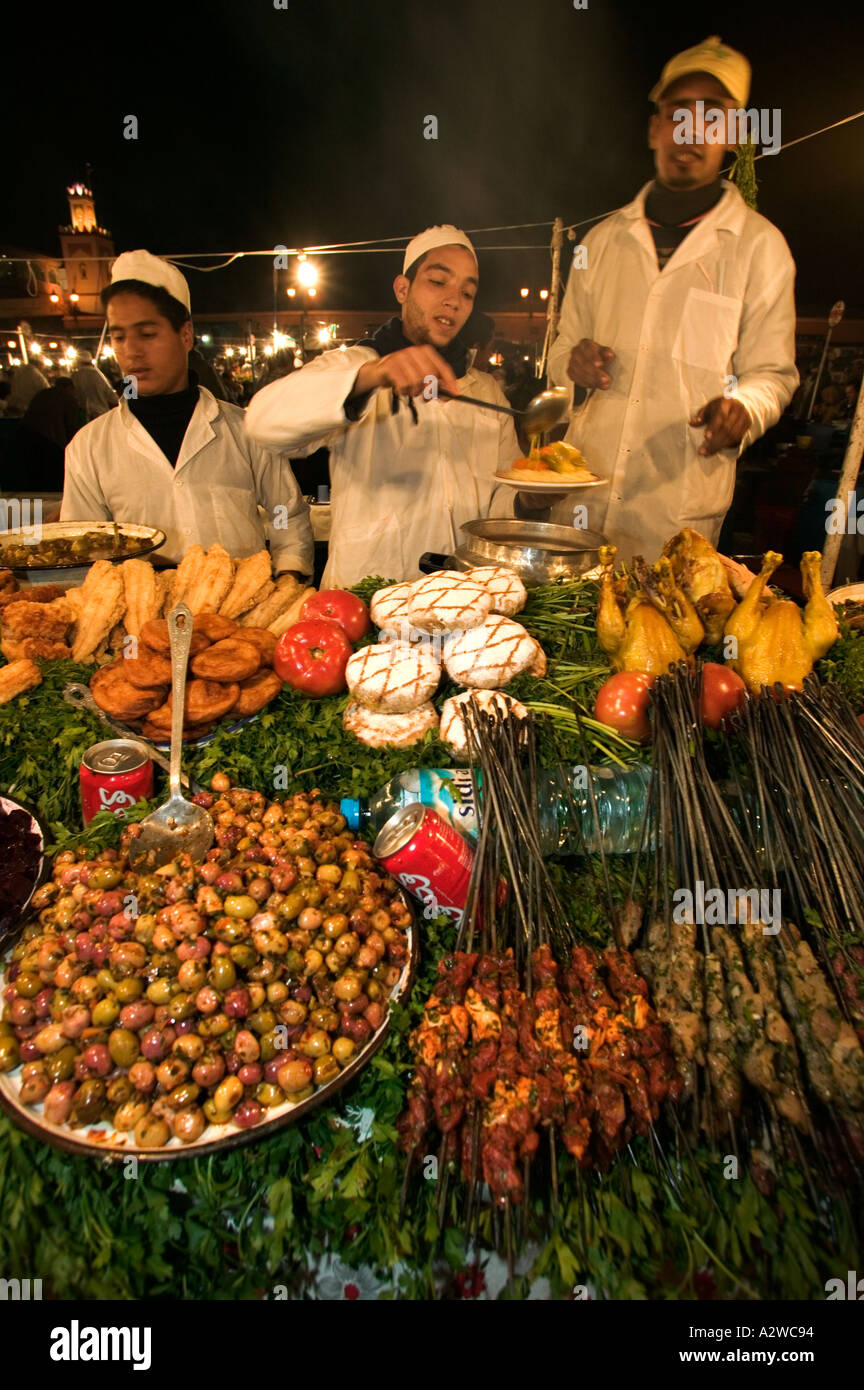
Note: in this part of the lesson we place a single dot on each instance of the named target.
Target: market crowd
(677, 339)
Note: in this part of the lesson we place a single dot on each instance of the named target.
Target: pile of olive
(210, 993)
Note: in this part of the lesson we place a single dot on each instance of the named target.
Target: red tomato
(338, 606)
(623, 701)
(311, 657)
(722, 692)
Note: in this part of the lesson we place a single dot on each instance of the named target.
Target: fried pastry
(155, 636)
(157, 725)
(206, 701)
(35, 593)
(231, 660)
(252, 573)
(214, 627)
(185, 573)
(25, 619)
(284, 594)
(263, 639)
(211, 583)
(290, 615)
(17, 677)
(103, 602)
(73, 598)
(35, 648)
(143, 595)
(119, 698)
(148, 670)
(256, 692)
(165, 583)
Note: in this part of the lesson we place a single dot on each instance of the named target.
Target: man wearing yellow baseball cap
(678, 320)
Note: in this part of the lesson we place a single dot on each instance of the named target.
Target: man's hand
(588, 363)
(407, 371)
(726, 422)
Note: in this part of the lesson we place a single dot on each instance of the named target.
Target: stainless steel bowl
(538, 551)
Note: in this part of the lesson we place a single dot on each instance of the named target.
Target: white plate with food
(557, 467)
(551, 482)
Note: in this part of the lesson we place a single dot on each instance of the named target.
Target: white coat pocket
(708, 332)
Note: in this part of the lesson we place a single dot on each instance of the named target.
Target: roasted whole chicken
(776, 640)
(700, 572)
(644, 620)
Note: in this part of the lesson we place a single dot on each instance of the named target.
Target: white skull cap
(444, 235)
(153, 270)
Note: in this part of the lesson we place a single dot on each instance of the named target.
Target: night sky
(305, 125)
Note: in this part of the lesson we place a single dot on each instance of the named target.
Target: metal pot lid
(534, 535)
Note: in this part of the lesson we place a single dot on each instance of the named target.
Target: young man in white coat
(679, 321)
(171, 455)
(408, 467)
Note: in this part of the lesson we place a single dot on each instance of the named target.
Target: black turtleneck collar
(672, 206)
(166, 418)
(673, 212)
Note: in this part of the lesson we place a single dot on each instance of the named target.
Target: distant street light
(307, 273)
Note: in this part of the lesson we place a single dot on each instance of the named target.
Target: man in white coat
(408, 467)
(679, 321)
(171, 455)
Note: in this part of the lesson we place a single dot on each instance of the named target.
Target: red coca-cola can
(427, 856)
(114, 775)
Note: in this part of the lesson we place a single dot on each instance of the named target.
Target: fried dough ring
(147, 670)
(119, 698)
(157, 734)
(154, 634)
(214, 627)
(263, 639)
(157, 725)
(206, 701)
(256, 692)
(233, 659)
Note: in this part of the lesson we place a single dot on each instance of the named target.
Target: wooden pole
(553, 310)
(845, 493)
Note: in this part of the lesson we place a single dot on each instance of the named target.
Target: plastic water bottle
(619, 794)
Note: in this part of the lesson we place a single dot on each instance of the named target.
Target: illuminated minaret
(87, 253)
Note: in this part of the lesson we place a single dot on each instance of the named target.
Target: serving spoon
(177, 827)
(546, 410)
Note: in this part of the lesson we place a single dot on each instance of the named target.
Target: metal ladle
(546, 410)
(179, 826)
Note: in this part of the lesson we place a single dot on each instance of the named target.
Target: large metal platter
(148, 538)
(101, 1141)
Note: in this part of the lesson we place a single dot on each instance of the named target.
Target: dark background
(305, 125)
